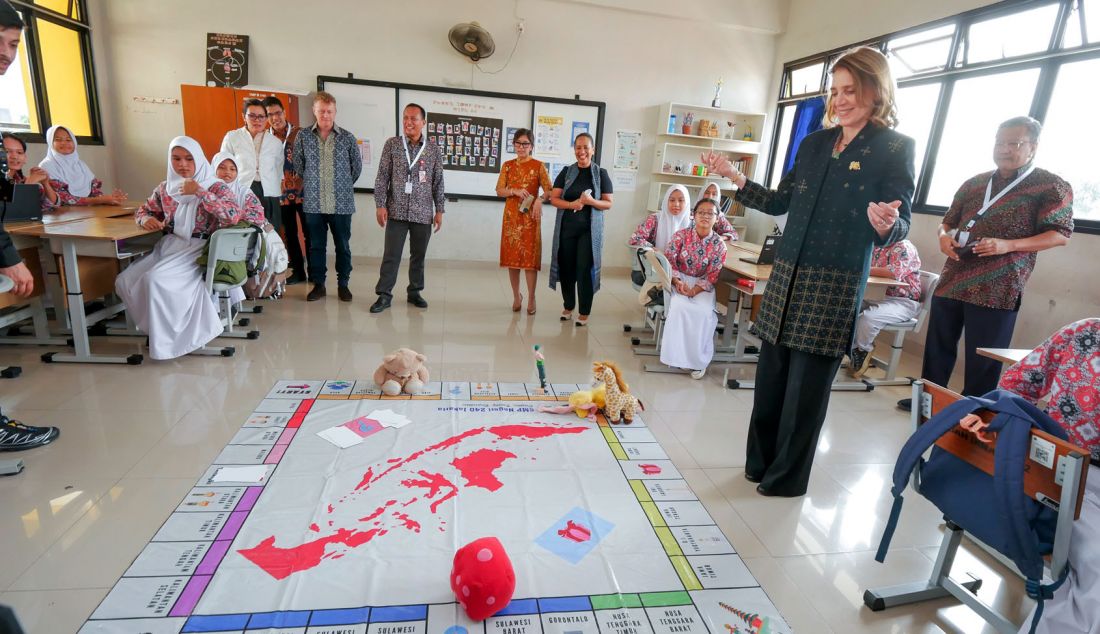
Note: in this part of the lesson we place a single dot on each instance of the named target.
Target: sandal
(531, 306)
(566, 315)
(517, 304)
(582, 320)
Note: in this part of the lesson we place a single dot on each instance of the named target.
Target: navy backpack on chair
(993, 509)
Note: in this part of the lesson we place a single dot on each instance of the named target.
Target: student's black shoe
(860, 362)
(317, 292)
(15, 436)
(344, 293)
(416, 300)
(380, 304)
(905, 404)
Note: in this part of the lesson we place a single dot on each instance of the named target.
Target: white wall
(1059, 291)
(631, 59)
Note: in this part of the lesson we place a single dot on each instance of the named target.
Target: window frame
(1048, 62)
(30, 12)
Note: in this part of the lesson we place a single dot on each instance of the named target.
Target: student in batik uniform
(1065, 370)
(696, 255)
(70, 177)
(898, 261)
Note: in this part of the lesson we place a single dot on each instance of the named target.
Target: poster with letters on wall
(226, 60)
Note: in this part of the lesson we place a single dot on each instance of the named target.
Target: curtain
(807, 119)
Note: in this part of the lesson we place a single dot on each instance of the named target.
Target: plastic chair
(227, 245)
(928, 283)
(636, 265)
(658, 272)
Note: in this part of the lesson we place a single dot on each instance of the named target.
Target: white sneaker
(698, 374)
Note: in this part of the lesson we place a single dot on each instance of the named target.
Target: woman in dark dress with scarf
(849, 190)
(582, 194)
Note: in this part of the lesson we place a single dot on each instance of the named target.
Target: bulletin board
(472, 128)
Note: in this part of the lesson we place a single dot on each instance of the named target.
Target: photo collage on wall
(468, 144)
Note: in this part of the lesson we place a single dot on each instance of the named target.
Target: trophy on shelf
(717, 101)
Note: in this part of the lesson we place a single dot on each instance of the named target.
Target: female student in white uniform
(696, 255)
(656, 229)
(70, 177)
(164, 292)
(225, 169)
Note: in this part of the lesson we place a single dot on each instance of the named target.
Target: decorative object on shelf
(689, 119)
(748, 133)
(708, 128)
(729, 130)
(717, 101)
(672, 123)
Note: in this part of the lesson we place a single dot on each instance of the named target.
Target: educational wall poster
(468, 144)
(624, 180)
(364, 152)
(289, 532)
(579, 127)
(628, 144)
(509, 148)
(554, 169)
(226, 59)
(548, 136)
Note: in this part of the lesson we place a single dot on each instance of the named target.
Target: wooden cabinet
(211, 111)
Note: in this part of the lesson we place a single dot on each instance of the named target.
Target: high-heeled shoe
(582, 320)
(517, 304)
(531, 306)
(566, 315)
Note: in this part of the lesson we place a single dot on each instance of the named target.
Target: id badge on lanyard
(411, 160)
(964, 234)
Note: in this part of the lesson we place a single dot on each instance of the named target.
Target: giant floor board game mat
(289, 533)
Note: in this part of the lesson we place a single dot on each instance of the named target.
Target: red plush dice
(482, 578)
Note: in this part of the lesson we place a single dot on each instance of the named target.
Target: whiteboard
(556, 126)
(489, 153)
(370, 113)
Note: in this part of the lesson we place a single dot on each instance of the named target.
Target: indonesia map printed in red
(430, 491)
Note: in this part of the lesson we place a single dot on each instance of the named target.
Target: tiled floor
(135, 439)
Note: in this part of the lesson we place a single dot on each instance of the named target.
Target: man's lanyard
(412, 161)
(989, 201)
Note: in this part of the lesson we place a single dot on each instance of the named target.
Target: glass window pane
(1072, 37)
(17, 109)
(977, 107)
(916, 109)
(786, 121)
(1011, 35)
(920, 52)
(70, 8)
(1067, 147)
(1092, 19)
(807, 79)
(66, 91)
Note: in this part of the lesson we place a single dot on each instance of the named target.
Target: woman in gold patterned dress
(521, 234)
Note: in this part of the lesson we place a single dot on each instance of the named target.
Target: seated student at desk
(655, 231)
(696, 255)
(17, 158)
(164, 292)
(722, 225)
(252, 210)
(1065, 370)
(70, 177)
(901, 262)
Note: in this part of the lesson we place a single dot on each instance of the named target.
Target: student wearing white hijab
(70, 177)
(164, 291)
(722, 226)
(655, 231)
(252, 210)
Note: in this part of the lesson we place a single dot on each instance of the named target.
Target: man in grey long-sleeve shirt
(408, 186)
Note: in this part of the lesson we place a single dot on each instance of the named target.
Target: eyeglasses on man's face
(1011, 145)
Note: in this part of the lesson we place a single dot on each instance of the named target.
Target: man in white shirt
(259, 159)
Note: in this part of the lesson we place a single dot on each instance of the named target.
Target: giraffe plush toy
(620, 402)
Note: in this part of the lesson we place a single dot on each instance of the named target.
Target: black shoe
(380, 304)
(773, 494)
(344, 293)
(905, 404)
(751, 478)
(860, 362)
(416, 300)
(15, 436)
(316, 293)
(297, 278)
